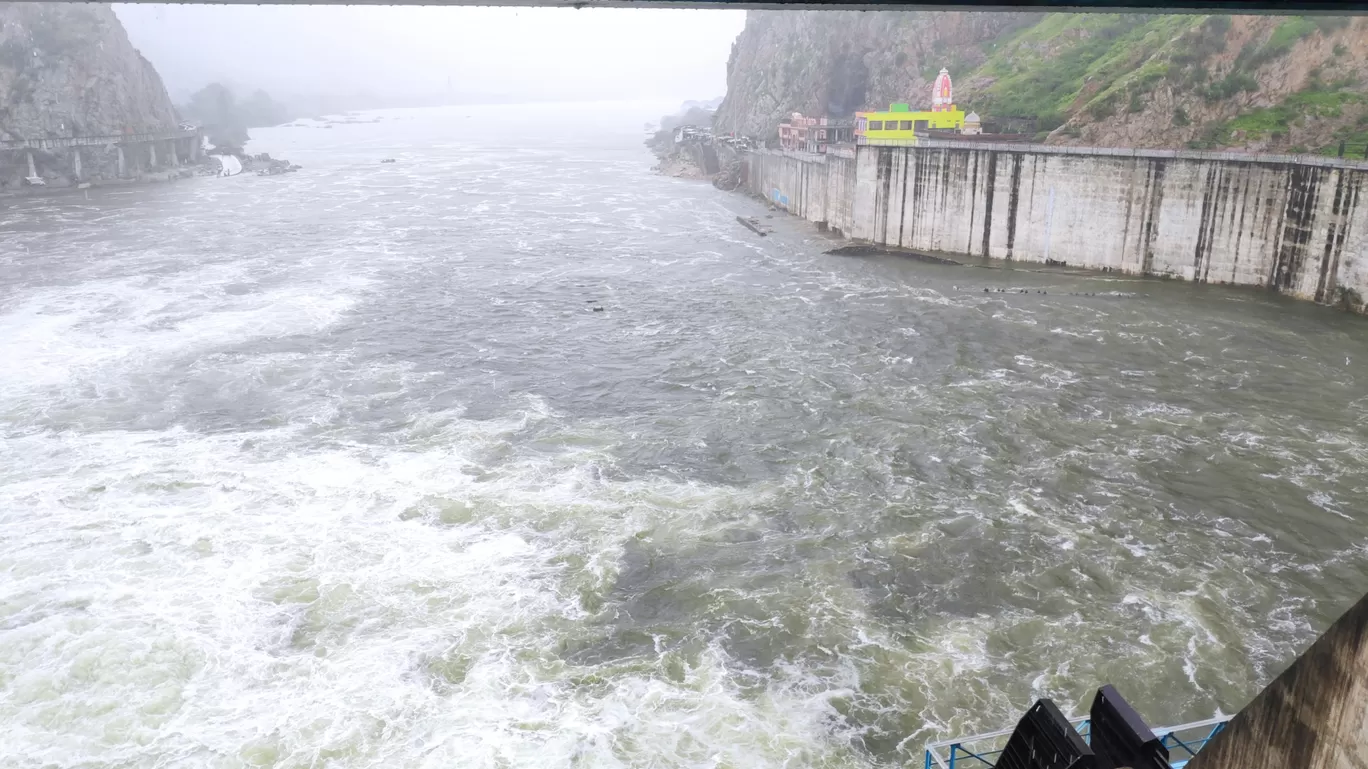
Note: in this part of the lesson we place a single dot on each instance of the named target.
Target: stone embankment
(716, 162)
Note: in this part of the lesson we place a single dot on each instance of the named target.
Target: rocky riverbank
(701, 159)
(679, 165)
(265, 165)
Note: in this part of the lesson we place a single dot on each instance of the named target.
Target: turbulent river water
(343, 468)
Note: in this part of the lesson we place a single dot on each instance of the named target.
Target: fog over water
(438, 54)
(346, 468)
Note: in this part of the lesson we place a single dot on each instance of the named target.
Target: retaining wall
(1295, 224)
(63, 162)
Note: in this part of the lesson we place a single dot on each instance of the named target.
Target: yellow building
(899, 125)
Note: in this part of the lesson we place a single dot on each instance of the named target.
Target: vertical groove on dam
(1240, 220)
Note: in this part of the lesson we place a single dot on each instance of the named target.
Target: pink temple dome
(942, 92)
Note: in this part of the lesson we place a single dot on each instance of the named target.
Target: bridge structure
(79, 159)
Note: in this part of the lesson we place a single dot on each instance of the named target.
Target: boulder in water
(869, 250)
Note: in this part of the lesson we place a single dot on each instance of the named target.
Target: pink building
(793, 131)
(813, 134)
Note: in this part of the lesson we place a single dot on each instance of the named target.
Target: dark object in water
(754, 226)
(598, 309)
(387, 160)
(1044, 739)
(1120, 737)
(863, 250)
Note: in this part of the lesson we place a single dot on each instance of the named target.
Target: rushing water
(343, 469)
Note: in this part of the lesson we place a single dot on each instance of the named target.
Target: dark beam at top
(1157, 6)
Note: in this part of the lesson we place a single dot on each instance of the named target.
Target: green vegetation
(954, 59)
(1202, 41)
(1355, 147)
(1103, 108)
(1049, 121)
(1355, 144)
(1186, 61)
(1329, 24)
(1108, 65)
(1274, 122)
(1147, 77)
(1285, 35)
(1230, 85)
(1288, 33)
(1114, 50)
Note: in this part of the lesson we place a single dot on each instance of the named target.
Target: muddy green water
(341, 469)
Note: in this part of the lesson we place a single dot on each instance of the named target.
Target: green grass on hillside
(1286, 34)
(1309, 104)
(1041, 70)
(1108, 64)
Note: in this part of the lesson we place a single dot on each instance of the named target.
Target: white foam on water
(249, 599)
(62, 334)
(317, 594)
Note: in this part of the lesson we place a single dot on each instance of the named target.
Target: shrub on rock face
(226, 120)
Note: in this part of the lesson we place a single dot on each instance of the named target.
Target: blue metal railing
(981, 751)
(1191, 746)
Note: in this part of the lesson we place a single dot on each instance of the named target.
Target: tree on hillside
(214, 108)
(226, 120)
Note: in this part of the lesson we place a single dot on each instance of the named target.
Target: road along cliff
(69, 74)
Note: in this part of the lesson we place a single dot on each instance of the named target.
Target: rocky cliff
(1283, 83)
(69, 70)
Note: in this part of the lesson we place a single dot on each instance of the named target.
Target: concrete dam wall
(1295, 224)
(1313, 716)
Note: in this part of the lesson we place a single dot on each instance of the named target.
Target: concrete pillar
(123, 164)
(76, 162)
(195, 144)
(33, 170)
(152, 155)
(175, 161)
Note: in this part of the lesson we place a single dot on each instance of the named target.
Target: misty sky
(533, 53)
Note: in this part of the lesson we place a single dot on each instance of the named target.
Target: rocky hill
(68, 69)
(1285, 83)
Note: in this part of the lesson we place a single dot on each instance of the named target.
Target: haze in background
(401, 56)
